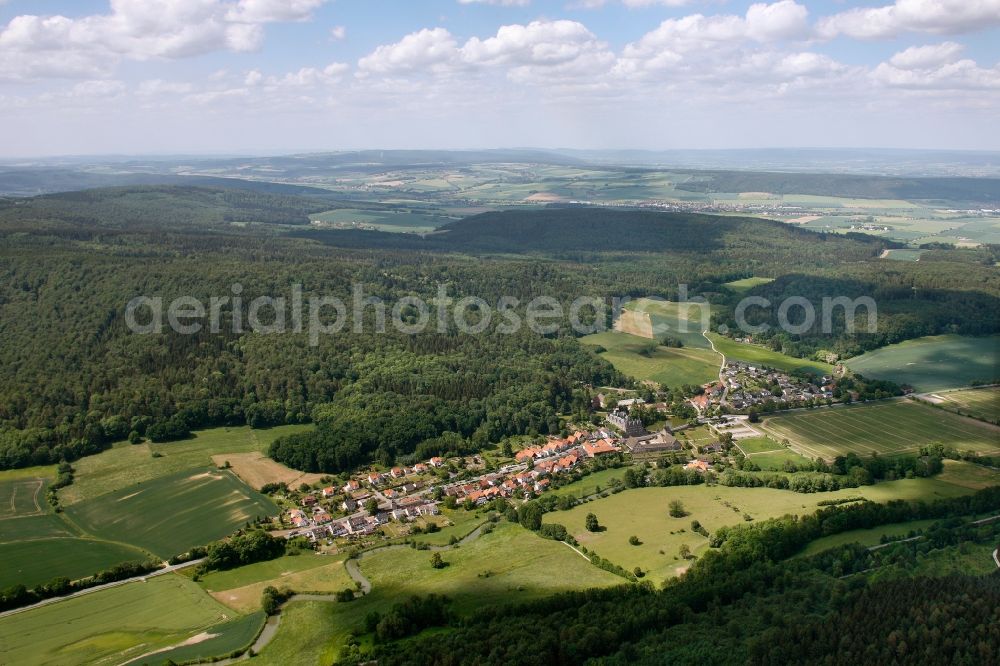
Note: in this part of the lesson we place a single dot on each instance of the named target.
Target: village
(744, 386)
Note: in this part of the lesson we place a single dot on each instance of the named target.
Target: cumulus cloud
(338, 32)
(932, 16)
(57, 46)
(922, 57)
(425, 50)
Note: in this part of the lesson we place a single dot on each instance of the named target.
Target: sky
(136, 77)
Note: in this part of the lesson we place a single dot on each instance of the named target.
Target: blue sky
(136, 76)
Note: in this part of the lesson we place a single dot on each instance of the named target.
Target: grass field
(737, 351)
(43, 526)
(507, 566)
(383, 220)
(753, 445)
(589, 484)
(39, 561)
(126, 465)
(868, 537)
(981, 403)
(643, 512)
(110, 626)
(172, 513)
(241, 589)
(898, 426)
(644, 360)
(746, 284)
(933, 363)
(774, 461)
(219, 640)
(902, 255)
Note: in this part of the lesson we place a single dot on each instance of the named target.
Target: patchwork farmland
(170, 514)
(981, 403)
(899, 426)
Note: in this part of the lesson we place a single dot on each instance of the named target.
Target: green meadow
(645, 360)
(746, 284)
(170, 514)
(738, 351)
(933, 363)
(980, 403)
(38, 561)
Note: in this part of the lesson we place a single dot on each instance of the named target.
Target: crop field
(980, 403)
(126, 464)
(217, 641)
(42, 526)
(746, 284)
(172, 513)
(22, 497)
(33, 562)
(898, 426)
(933, 363)
(774, 461)
(111, 626)
(645, 360)
(684, 321)
(737, 351)
(902, 255)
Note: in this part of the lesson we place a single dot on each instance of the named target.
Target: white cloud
(949, 76)
(57, 46)
(922, 57)
(785, 19)
(425, 50)
(338, 32)
(932, 16)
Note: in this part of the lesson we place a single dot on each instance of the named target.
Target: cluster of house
(743, 385)
(536, 465)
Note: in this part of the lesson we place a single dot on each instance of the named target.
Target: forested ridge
(72, 378)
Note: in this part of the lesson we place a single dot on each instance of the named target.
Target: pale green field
(590, 484)
(981, 403)
(736, 351)
(127, 464)
(643, 512)
(33, 562)
(933, 363)
(384, 220)
(869, 537)
(684, 321)
(903, 255)
(507, 566)
(110, 626)
(891, 427)
(643, 359)
(242, 589)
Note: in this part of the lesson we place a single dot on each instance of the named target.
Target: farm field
(737, 351)
(22, 497)
(753, 445)
(644, 360)
(774, 461)
(173, 513)
(902, 255)
(219, 640)
(42, 526)
(256, 470)
(643, 512)
(110, 626)
(933, 363)
(670, 317)
(37, 561)
(981, 403)
(507, 566)
(589, 484)
(886, 428)
(128, 464)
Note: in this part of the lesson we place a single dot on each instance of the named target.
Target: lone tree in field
(592, 524)
(437, 562)
(677, 509)
(685, 551)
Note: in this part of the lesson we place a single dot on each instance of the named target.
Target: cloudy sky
(203, 76)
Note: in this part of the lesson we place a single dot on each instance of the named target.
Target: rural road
(97, 588)
(996, 557)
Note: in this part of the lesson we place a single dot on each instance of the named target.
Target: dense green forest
(745, 602)
(73, 379)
